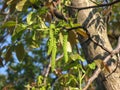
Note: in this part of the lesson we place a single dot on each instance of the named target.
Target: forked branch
(98, 70)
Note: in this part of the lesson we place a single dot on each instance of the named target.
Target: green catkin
(65, 38)
(52, 47)
(50, 42)
(54, 51)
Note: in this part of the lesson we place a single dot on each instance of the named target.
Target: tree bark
(92, 20)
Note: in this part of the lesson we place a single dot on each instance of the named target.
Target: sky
(3, 70)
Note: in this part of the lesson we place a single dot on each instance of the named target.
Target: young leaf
(82, 33)
(69, 47)
(92, 66)
(33, 44)
(33, 1)
(76, 57)
(71, 65)
(9, 24)
(39, 80)
(20, 5)
(29, 17)
(72, 38)
(18, 31)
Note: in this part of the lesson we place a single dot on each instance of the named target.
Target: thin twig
(99, 5)
(104, 48)
(49, 66)
(72, 28)
(93, 77)
(118, 58)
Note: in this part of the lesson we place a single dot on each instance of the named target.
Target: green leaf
(76, 57)
(33, 1)
(70, 79)
(9, 2)
(20, 5)
(33, 44)
(81, 68)
(33, 88)
(19, 30)
(70, 65)
(39, 80)
(92, 65)
(42, 24)
(29, 18)
(9, 24)
(20, 52)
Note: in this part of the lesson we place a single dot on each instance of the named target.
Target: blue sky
(2, 70)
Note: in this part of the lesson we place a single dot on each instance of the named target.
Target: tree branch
(94, 76)
(89, 7)
(73, 28)
(98, 70)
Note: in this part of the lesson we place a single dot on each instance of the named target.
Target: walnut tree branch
(89, 37)
(98, 70)
(89, 7)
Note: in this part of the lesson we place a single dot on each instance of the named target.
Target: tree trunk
(92, 20)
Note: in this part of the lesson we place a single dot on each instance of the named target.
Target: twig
(99, 5)
(93, 77)
(98, 70)
(49, 66)
(118, 58)
(104, 48)
(47, 71)
(115, 51)
(72, 28)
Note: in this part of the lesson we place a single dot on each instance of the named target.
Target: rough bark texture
(92, 20)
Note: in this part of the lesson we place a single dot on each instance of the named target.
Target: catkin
(65, 38)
